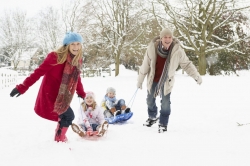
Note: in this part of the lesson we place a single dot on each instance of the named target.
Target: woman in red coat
(61, 78)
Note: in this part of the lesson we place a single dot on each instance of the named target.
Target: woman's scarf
(67, 87)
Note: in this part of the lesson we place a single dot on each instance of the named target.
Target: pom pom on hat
(90, 94)
(165, 32)
(111, 90)
(71, 37)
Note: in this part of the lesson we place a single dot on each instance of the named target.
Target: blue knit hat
(71, 37)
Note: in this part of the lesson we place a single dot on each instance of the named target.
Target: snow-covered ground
(202, 130)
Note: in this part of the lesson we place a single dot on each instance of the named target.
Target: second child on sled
(113, 106)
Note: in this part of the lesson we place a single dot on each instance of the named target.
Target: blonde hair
(84, 106)
(63, 52)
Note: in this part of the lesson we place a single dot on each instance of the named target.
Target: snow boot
(102, 129)
(60, 134)
(150, 122)
(57, 132)
(162, 128)
(118, 112)
(127, 110)
(113, 110)
(78, 130)
(123, 107)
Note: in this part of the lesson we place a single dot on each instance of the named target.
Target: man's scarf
(67, 87)
(161, 52)
(164, 74)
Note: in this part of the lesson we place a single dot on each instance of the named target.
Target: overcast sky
(32, 7)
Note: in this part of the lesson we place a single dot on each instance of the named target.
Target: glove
(80, 96)
(198, 80)
(90, 131)
(139, 85)
(14, 92)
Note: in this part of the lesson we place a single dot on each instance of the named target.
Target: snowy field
(202, 130)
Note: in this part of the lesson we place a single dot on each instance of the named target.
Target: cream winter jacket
(85, 118)
(177, 57)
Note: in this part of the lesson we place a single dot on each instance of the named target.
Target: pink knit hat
(90, 94)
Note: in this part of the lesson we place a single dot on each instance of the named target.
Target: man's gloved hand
(198, 79)
(14, 92)
(139, 85)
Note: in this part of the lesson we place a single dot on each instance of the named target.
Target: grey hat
(165, 32)
(110, 90)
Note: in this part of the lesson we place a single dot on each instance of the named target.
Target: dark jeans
(66, 118)
(165, 106)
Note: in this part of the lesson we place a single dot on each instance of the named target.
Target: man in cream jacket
(163, 56)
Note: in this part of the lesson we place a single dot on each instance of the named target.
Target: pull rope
(81, 110)
(133, 99)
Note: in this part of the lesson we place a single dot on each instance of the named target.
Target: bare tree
(196, 22)
(15, 29)
(49, 29)
(115, 22)
(71, 14)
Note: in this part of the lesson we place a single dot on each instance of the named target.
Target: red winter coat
(52, 76)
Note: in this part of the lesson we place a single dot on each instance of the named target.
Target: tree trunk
(117, 63)
(211, 70)
(202, 64)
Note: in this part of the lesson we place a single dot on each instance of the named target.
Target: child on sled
(91, 119)
(112, 105)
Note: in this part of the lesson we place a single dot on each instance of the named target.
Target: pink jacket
(47, 94)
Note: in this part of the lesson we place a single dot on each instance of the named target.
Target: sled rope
(81, 107)
(133, 99)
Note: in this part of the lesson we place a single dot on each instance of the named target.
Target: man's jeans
(165, 106)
